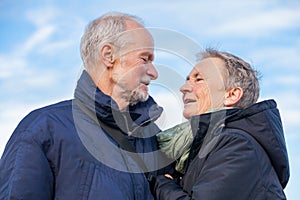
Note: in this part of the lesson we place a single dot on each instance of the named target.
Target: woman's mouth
(188, 101)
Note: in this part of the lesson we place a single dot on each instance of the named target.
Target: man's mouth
(146, 83)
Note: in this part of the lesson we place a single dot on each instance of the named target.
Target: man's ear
(107, 55)
(232, 96)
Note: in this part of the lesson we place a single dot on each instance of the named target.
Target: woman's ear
(232, 96)
(107, 55)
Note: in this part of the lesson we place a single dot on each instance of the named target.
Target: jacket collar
(107, 109)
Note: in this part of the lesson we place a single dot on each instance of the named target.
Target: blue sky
(40, 61)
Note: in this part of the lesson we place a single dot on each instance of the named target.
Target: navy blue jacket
(235, 154)
(59, 152)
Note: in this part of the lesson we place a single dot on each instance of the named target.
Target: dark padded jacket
(59, 152)
(236, 154)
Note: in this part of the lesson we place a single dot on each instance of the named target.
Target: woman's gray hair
(239, 74)
(105, 29)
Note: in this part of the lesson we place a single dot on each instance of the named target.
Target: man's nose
(152, 72)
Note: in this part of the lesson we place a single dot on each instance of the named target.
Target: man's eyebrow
(150, 55)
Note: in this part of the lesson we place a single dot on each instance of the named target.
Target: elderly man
(238, 150)
(62, 152)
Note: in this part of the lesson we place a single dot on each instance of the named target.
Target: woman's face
(204, 88)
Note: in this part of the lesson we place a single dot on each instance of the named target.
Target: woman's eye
(199, 79)
(145, 59)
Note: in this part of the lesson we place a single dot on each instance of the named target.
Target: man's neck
(115, 93)
(108, 87)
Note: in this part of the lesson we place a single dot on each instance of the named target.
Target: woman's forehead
(209, 67)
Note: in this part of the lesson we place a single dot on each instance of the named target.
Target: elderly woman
(237, 148)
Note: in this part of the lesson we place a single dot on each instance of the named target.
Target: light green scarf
(175, 143)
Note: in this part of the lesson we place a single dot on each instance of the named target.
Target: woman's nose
(186, 87)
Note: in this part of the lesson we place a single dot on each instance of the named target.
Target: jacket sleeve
(230, 171)
(24, 170)
(167, 189)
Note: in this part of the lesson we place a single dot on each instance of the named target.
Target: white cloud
(52, 33)
(16, 62)
(9, 65)
(289, 104)
(37, 39)
(52, 48)
(259, 23)
(249, 19)
(279, 56)
(292, 79)
(41, 16)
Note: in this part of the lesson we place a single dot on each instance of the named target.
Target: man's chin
(145, 98)
(138, 96)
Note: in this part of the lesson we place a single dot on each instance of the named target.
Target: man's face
(133, 68)
(204, 88)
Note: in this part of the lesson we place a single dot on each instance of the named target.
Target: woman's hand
(168, 176)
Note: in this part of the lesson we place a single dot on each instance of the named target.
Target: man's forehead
(137, 40)
(137, 34)
(135, 29)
